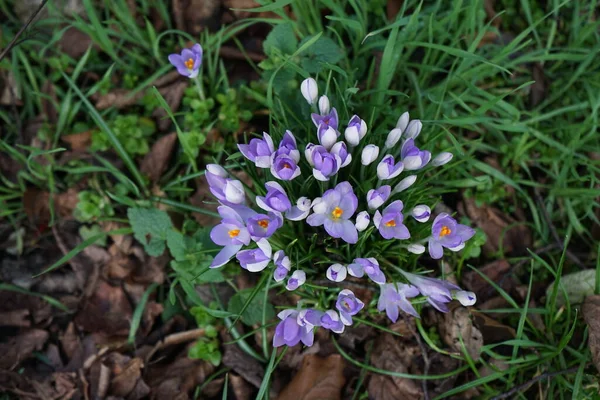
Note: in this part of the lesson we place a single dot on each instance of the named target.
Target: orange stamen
(390, 223)
(263, 223)
(445, 231)
(337, 212)
(233, 233)
(189, 64)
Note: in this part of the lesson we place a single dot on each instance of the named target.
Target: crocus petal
(225, 255)
(436, 251)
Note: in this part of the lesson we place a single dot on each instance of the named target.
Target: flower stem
(198, 81)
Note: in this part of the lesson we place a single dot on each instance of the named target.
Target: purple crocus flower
(412, 157)
(327, 136)
(228, 191)
(421, 213)
(376, 197)
(388, 168)
(255, 260)
(341, 150)
(334, 212)
(325, 164)
(230, 233)
(296, 280)
(362, 221)
(336, 273)
(369, 266)
(390, 222)
(331, 320)
(263, 226)
(259, 151)
(348, 305)
(300, 211)
(309, 318)
(446, 232)
(288, 146)
(276, 199)
(439, 292)
(394, 296)
(356, 130)
(282, 266)
(284, 167)
(289, 332)
(188, 62)
(324, 121)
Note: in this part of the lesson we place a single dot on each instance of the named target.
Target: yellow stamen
(263, 223)
(337, 212)
(286, 165)
(445, 231)
(189, 64)
(233, 233)
(390, 223)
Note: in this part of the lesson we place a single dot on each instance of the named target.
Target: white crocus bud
(393, 138)
(329, 138)
(362, 221)
(336, 273)
(216, 169)
(416, 248)
(309, 90)
(296, 280)
(234, 192)
(421, 213)
(465, 298)
(319, 206)
(324, 105)
(405, 183)
(369, 154)
(403, 121)
(441, 159)
(356, 130)
(413, 129)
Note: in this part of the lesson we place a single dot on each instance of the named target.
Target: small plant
(92, 206)
(133, 132)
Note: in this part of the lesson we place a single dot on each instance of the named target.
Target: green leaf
(253, 313)
(150, 227)
(324, 50)
(177, 244)
(281, 39)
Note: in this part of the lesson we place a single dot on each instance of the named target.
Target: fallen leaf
(318, 378)
(392, 8)
(496, 271)
(15, 318)
(118, 98)
(74, 42)
(125, 381)
(107, 310)
(537, 91)
(156, 161)
(9, 91)
(241, 389)
(456, 327)
(19, 348)
(78, 141)
(591, 315)
(243, 364)
(193, 15)
(578, 285)
(172, 94)
(491, 330)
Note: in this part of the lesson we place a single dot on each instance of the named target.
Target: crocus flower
(327, 136)
(259, 151)
(289, 332)
(288, 146)
(412, 157)
(348, 305)
(356, 130)
(421, 213)
(339, 149)
(255, 260)
(309, 90)
(336, 273)
(263, 226)
(441, 159)
(285, 168)
(446, 232)
(369, 154)
(403, 121)
(282, 266)
(393, 137)
(390, 222)
(324, 105)
(325, 164)
(334, 212)
(404, 184)
(230, 233)
(439, 292)
(394, 296)
(188, 62)
(416, 248)
(369, 266)
(276, 199)
(227, 191)
(309, 318)
(300, 211)
(296, 280)
(388, 168)
(413, 129)
(376, 197)
(331, 320)
(362, 221)
(325, 121)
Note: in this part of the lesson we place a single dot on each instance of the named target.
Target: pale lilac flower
(416, 248)
(230, 233)
(421, 213)
(296, 280)
(309, 318)
(289, 332)
(369, 154)
(369, 266)
(263, 226)
(394, 296)
(439, 292)
(325, 164)
(362, 221)
(413, 129)
(285, 168)
(376, 197)
(255, 260)
(327, 137)
(441, 159)
(300, 211)
(388, 168)
(276, 199)
(259, 151)
(390, 223)
(227, 191)
(446, 232)
(334, 212)
(348, 305)
(392, 138)
(324, 105)
(325, 121)
(331, 320)
(188, 62)
(404, 184)
(282, 266)
(403, 121)
(309, 90)
(465, 298)
(336, 273)
(288, 146)
(339, 149)
(412, 157)
(356, 130)
(308, 153)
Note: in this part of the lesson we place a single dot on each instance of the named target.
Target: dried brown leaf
(392, 9)
(591, 315)
(496, 271)
(15, 318)
(156, 161)
(457, 326)
(118, 98)
(78, 141)
(20, 347)
(107, 310)
(173, 94)
(318, 378)
(74, 42)
(242, 363)
(491, 330)
(124, 383)
(194, 15)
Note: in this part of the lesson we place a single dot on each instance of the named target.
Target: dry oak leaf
(591, 315)
(78, 141)
(156, 161)
(318, 378)
(20, 347)
(457, 326)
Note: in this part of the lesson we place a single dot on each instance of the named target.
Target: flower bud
(465, 298)
(217, 170)
(336, 273)
(405, 183)
(362, 221)
(413, 129)
(403, 121)
(308, 151)
(234, 192)
(393, 138)
(441, 159)
(328, 138)
(309, 90)
(416, 248)
(369, 154)
(324, 105)
(296, 280)
(356, 130)
(421, 213)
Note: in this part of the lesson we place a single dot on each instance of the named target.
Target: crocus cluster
(346, 192)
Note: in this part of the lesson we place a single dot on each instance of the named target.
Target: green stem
(198, 81)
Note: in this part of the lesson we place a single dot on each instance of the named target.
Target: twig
(175, 338)
(23, 28)
(534, 380)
